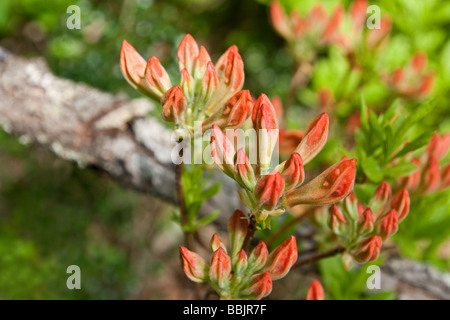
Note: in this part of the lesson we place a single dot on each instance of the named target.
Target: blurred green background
(53, 214)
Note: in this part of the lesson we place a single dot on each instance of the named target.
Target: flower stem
(250, 233)
(319, 256)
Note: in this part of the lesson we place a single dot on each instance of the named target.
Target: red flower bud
(336, 221)
(261, 286)
(269, 189)
(293, 172)
(431, 176)
(412, 181)
(358, 14)
(387, 225)
(316, 135)
(332, 27)
(133, 69)
(368, 250)
(237, 230)
(244, 170)
(366, 221)
(258, 257)
(330, 186)
(438, 145)
(230, 69)
(241, 262)
(173, 105)
(201, 63)
(376, 37)
(157, 78)
(220, 269)
(280, 20)
(282, 258)
(264, 115)
(381, 197)
(210, 83)
(315, 291)
(193, 265)
(401, 203)
(233, 114)
(216, 243)
(222, 151)
(187, 53)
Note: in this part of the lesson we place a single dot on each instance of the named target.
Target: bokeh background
(53, 214)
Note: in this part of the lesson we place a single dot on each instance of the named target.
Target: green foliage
(349, 285)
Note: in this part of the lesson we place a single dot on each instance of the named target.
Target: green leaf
(400, 169)
(372, 169)
(208, 218)
(417, 143)
(364, 119)
(211, 191)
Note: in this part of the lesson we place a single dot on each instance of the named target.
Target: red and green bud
(201, 63)
(401, 203)
(387, 225)
(210, 83)
(237, 230)
(439, 145)
(431, 176)
(173, 105)
(193, 265)
(368, 249)
(336, 221)
(241, 263)
(216, 243)
(380, 199)
(282, 258)
(258, 257)
(261, 286)
(366, 221)
(412, 182)
(315, 291)
(315, 137)
(222, 151)
(268, 190)
(293, 172)
(330, 186)
(157, 77)
(245, 175)
(187, 53)
(220, 269)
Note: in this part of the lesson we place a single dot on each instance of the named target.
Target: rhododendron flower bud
(230, 72)
(357, 11)
(280, 20)
(241, 262)
(381, 197)
(366, 221)
(133, 68)
(368, 249)
(193, 265)
(220, 269)
(330, 186)
(222, 151)
(201, 62)
(173, 105)
(401, 203)
(244, 171)
(316, 135)
(216, 243)
(261, 286)
(293, 172)
(439, 145)
(387, 225)
(282, 258)
(353, 208)
(187, 53)
(269, 189)
(210, 83)
(237, 230)
(336, 221)
(188, 84)
(258, 257)
(377, 37)
(315, 291)
(412, 181)
(431, 176)
(157, 77)
(235, 111)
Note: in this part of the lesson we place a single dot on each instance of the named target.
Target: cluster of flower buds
(236, 274)
(210, 93)
(363, 34)
(268, 192)
(413, 81)
(361, 230)
(306, 34)
(429, 177)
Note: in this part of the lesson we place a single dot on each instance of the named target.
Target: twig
(250, 233)
(319, 256)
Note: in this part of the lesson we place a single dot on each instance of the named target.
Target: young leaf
(372, 169)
